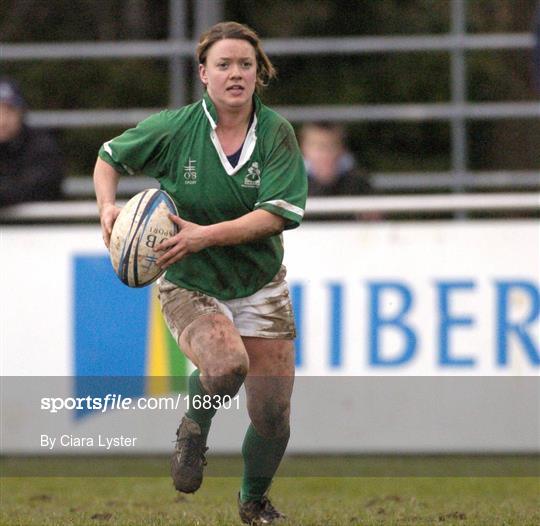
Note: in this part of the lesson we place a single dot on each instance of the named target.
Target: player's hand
(190, 239)
(107, 217)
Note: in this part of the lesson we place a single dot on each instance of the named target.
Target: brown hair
(223, 30)
(330, 127)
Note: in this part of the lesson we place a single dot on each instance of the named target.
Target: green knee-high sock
(261, 460)
(202, 416)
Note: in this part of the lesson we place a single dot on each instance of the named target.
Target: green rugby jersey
(181, 150)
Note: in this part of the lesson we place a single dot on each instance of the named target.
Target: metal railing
(83, 187)
(343, 113)
(316, 206)
(177, 49)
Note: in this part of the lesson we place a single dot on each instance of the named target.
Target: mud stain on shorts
(180, 306)
(280, 319)
(266, 314)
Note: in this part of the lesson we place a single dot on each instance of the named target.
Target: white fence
(319, 206)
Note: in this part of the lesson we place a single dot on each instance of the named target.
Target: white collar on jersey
(247, 147)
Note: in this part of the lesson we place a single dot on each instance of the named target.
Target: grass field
(307, 500)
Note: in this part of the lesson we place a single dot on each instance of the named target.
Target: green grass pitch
(400, 499)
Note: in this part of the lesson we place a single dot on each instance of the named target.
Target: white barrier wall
(431, 300)
(419, 298)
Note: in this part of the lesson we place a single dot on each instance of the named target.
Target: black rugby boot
(257, 512)
(188, 460)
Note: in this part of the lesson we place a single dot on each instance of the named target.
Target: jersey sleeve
(140, 149)
(283, 187)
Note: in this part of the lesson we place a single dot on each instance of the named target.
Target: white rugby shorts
(266, 314)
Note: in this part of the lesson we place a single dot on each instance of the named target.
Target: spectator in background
(331, 168)
(31, 165)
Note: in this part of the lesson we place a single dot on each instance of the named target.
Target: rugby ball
(142, 224)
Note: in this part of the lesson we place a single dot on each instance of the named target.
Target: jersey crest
(253, 176)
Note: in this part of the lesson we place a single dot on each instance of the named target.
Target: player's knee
(222, 358)
(230, 363)
(272, 419)
(226, 378)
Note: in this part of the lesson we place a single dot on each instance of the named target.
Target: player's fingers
(165, 259)
(173, 259)
(105, 232)
(175, 219)
(164, 245)
(109, 218)
(177, 257)
(106, 238)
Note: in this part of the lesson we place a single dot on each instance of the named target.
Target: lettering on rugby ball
(141, 225)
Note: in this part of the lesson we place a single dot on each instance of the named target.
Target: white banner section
(438, 298)
(456, 303)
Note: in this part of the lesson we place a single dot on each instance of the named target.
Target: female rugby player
(235, 172)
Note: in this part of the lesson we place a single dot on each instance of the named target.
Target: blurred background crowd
(339, 153)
